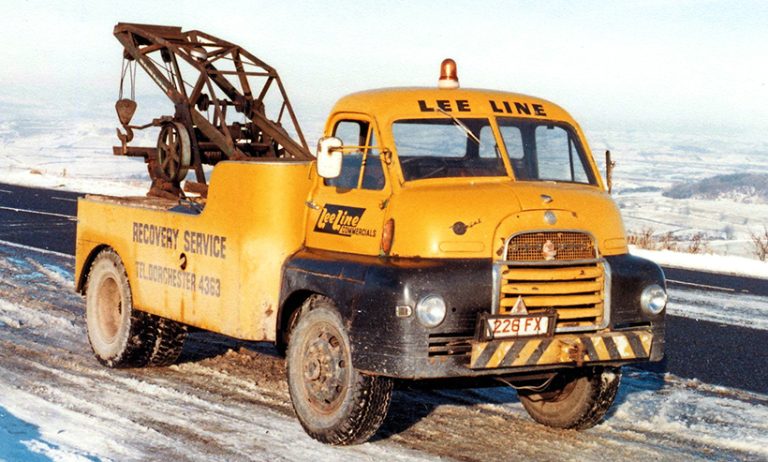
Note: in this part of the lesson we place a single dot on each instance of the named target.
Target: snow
(648, 162)
(721, 306)
(58, 434)
(33, 249)
(722, 264)
(57, 403)
(72, 157)
(712, 417)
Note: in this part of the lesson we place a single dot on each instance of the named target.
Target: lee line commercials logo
(342, 220)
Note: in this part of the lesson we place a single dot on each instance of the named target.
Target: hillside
(740, 187)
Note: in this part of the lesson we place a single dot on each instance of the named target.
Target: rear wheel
(169, 337)
(335, 403)
(575, 399)
(120, 335)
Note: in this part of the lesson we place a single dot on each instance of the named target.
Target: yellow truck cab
(441, 233)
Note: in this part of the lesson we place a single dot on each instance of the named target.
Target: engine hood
(472, 219)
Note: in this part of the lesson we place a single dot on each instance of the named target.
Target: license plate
(519, 326)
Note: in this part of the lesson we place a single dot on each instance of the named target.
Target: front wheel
(335, 403)
(576, 399)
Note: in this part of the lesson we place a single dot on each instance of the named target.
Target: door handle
(312, 205)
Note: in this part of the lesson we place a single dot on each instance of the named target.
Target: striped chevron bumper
(561, 349)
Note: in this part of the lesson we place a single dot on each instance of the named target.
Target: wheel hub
(108, 309)
(325, 369)
(312, 370)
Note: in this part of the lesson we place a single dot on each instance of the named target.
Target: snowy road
(228, 400)
(714, 318)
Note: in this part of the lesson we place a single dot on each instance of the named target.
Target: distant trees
(643, 239)
(647, 239)
(697, 243)
(760, 241)
(743, 187)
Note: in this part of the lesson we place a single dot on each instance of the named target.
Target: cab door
(347, 213)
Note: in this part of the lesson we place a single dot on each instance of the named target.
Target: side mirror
(329, 157)
(609, 164)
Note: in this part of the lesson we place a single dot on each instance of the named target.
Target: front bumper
(562, 350)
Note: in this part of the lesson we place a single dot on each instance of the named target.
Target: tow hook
(575, 352)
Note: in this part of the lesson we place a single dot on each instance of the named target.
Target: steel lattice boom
(211, 83)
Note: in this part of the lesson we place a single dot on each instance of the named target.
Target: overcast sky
(692, 65)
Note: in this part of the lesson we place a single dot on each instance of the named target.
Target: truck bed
(216, 267)
(156, 203)
(147, 202)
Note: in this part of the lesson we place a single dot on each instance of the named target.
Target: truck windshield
(545, 151)
(447, 147)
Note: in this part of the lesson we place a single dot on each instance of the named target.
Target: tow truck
(437, 233)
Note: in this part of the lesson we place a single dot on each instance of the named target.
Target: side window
(579, 174)
(365, 160)
(373, 173)
(351, 132)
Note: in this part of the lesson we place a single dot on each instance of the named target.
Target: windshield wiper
(460, 125)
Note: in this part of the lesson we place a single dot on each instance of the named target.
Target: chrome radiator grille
(550, 245)
(554, 269)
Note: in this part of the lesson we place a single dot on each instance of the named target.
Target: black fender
(367, 291)
(629, 276)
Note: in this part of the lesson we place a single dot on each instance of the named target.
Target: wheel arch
(292, 304)
(334, 402)
(86, 269)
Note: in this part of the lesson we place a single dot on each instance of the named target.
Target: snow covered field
(228, 400)
(650, 162)
(74, 157)
(76, 154)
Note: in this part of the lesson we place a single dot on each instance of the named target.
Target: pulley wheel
(174, 151)
(203, 102)
(125, 109)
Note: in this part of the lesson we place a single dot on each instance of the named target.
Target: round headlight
(431, 310)
(653, 299)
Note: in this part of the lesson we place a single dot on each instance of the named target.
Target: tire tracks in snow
(228, 400)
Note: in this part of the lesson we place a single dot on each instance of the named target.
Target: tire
(169, 337)
(120, 335)
(575, 399)
(335, 403)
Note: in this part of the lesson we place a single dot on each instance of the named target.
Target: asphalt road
(678, 277)
(714, 353)
(39, 218)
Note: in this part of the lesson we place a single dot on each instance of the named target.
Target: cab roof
(388, 104)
